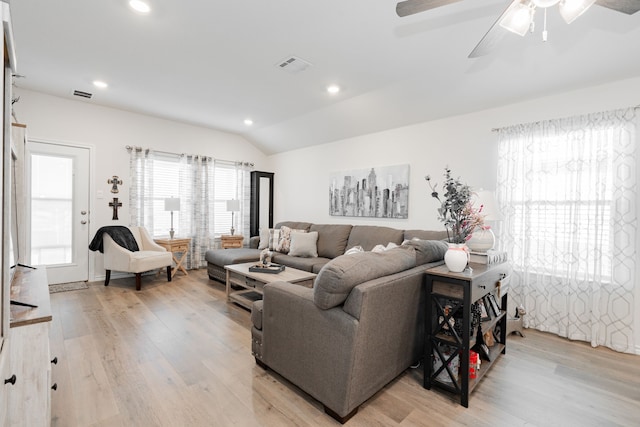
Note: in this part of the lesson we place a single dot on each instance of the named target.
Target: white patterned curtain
(196, 206)
(567, 190)
(141, 187)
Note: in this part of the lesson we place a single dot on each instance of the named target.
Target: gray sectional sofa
(333, 241)
(360, 326)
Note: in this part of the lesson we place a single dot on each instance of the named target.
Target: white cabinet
(5, 373)
(29, 398)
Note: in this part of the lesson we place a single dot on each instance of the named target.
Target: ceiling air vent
(293, 64)
(82, 94)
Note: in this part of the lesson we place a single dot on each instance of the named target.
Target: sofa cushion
(294, 224)
(304, 244)
(340, 275)
(332, 239)
(312, 265)
(427, 250)
(425, 234)
(368, 236)
(222, 257)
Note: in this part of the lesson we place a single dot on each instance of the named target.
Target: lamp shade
(517, 18)
(233, 205)
(172, 204)
(571, 9)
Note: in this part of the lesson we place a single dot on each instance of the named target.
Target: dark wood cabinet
(452, 303)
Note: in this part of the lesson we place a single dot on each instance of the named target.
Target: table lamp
(233, 206)
(171, 204)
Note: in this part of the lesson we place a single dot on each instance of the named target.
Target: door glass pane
(51, 209)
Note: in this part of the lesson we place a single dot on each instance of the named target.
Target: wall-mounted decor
(115, 205)
(114, 181)
(380, 192)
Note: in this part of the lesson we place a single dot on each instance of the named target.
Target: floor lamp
(171, 204)
(233, 206)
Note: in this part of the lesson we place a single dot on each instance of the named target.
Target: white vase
(457, 257)
(481, 240)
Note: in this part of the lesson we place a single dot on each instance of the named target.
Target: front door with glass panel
(59, 210)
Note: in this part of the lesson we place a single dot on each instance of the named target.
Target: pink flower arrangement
(456, 211)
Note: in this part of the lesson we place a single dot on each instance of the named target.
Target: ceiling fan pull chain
(544, 30)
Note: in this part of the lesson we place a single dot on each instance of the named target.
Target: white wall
(108, 131)
(465, 143)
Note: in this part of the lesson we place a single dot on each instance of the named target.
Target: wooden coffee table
(251, 283)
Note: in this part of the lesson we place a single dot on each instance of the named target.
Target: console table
(448, 324)
(228, 241)
(176, 246)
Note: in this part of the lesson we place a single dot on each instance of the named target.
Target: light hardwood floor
(176, 354)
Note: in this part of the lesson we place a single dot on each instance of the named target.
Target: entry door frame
(91, 148)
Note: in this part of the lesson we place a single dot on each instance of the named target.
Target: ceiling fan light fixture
(140, 6)
(571, 9)
(518, 18)
(545, 3)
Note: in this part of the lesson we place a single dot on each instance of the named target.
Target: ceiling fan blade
(625, 6)
(410, 7)
(493, 36)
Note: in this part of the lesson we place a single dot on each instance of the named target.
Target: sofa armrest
(304, 343)
(254, 242)
(115, 256)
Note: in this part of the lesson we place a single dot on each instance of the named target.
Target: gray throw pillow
(304, 244)
(336, 279)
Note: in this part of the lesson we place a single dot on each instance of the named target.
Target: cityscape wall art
(380, 192)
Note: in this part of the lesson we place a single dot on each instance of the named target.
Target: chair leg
(107, 278)
(168, 273)
(138, 281)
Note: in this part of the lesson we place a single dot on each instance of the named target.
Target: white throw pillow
(304, 244)
(354, 250)
(264, 238)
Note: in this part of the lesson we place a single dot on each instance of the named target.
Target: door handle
(83, 222)
(83, 212)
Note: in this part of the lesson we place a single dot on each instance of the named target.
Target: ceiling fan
(518, 16)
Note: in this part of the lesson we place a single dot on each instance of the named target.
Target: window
(165, 184)
(567, 191)
(203, 187)
(558, 201)
(226, 188)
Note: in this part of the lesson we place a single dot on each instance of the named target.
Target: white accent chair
(150, 256)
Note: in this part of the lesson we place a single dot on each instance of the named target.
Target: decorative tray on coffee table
(267, 268)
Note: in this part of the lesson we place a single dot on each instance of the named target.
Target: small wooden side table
(176, 246)
(228, 241)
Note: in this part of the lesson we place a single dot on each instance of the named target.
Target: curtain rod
(636, 107)
(231, 162)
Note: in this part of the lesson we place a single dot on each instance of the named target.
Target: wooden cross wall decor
(115, 181)
(115, 205)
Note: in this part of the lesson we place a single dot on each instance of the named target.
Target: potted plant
(459, 216)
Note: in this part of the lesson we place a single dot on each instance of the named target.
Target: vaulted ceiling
(215, 63)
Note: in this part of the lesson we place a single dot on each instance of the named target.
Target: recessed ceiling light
(248, 122)
(100, 84)
(140, 6)
(333, 89)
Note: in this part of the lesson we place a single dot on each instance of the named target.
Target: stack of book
(489, 257)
